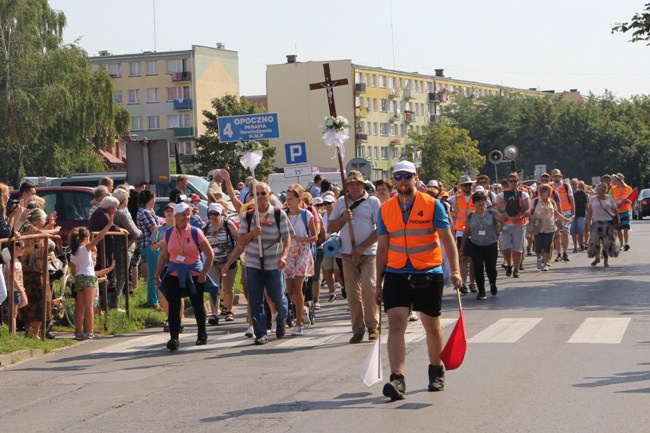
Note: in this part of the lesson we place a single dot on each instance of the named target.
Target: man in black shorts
(409, 260)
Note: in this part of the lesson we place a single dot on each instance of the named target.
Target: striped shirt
(271, 240)
(146, 220)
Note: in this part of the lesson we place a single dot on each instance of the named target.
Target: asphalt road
(560, 351)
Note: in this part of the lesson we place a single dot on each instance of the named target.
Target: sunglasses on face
(465, 185)
(512, 181)
(263, 193)
(405, 176)
(213, 214)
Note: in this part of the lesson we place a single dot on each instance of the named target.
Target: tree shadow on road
(620, 379)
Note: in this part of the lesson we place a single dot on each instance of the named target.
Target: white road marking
(601, 330)
(505, 331)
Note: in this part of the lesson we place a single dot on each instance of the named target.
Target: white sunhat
(181, 208)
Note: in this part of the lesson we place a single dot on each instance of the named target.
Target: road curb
(19, 356)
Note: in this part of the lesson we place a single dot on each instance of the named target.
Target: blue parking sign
(296, 153)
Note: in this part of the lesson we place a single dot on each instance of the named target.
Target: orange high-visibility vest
(462, 211)
(417, 240)
(620, 194)
(563, 191)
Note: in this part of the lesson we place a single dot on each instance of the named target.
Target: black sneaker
(558, 258)
(202, 339)
(396, 388)
(480, 296)
(172, 344)
(463, 289)
(259, 341)
(626, 247)
(280, 331)
(166, 326)
(213, 320)
(509, 271)
(515, 274)
(436, 378)
(565, 257)
(332, 298)
(521, 267)
(493, 289)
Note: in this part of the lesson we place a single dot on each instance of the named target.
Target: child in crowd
(83, 269)
(20, 297)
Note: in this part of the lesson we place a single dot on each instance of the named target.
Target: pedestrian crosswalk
(592, 330)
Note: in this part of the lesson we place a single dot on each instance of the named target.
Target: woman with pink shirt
(186, 273)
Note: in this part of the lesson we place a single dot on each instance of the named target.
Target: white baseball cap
(328, 199)
(479, 189)
(407, 166)
(181, 208)
(317, 201)
(215, 207)
(433, 183)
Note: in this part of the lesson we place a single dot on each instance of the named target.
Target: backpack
(513, 202)
(194, 231)
(229, 239)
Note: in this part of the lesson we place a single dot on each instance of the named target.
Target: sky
(545, 44)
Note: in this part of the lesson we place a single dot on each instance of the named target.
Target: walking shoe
(493, 289)
(249, 332)
(521, 267)
(413, 316)
(472, 287)
(280, 331)
(558, 258)
(172, 344)
(626, 247)
(273, 322)
(373, 334)
(565, 257)
(181, 329)
(583, 247)
(166, 326)
(357, 337)
(80, 337)
(463, 289)
(509, 271)
(213, 320)
(515, 274)
(344, 293)
(297, 331)
(436, 378)
(259, 341)
(332, 297)
(528, 253)
(575, 250)
(539, 263)
(306, 321)
(545, 267)
(504, 266)
(316, 305)
(481, 295)
(396, 388)
(202, 340)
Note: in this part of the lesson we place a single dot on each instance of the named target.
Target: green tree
(446, 152)
(211, 153)
(639, 25)
(56, 110)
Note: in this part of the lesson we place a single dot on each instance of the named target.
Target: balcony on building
(362, 112)
(184, 132)
(409, 93)
(434, 118)
(395, 141)
(409, 116)
(181, 76)
(393, 93)
(360, 87)
(435, 97)
(361, 137)
(182, 104)
(395, 117)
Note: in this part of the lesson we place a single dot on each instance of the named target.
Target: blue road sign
(296, 153)
(248, 127)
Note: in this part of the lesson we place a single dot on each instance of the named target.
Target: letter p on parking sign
(296, 153)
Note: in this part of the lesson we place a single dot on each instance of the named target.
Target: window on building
(400, 81)
(367, 80)
(153, 122)
(134, 96)
(117, 96)
(383, 128)
(358, 101)
(374, 80)
(358, 77)
(368, 103)
(360, 151)
(395, 153)
(178, 121)
(375, 128)
(178, 93)
(384, 152)
(152, 67)
(392, 106)
(403, 130)
(393, 130)
(152, 95)
(428, 87)
(175, 65)
(391, 82)
(452, 88)
(136, 123)
(384, 105)
(374, 104)
(382, 81)
(114, 69)
(376, 152)
(134, 69)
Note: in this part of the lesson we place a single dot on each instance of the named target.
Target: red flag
(454, 351)
(633, 195)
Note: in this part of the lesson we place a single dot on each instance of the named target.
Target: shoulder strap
(195, 235)
(168, 233)
(276, 215)
(249, 219)
(356, 203)
(303, 214)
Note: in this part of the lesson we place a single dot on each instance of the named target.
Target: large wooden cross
(329, 85)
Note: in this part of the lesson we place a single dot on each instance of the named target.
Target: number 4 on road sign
(227, 131)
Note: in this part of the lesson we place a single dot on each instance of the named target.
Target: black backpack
(513, 202)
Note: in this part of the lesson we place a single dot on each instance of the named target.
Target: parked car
(72, 206)
(641, 208)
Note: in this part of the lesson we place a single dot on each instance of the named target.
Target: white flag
(371, 370)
